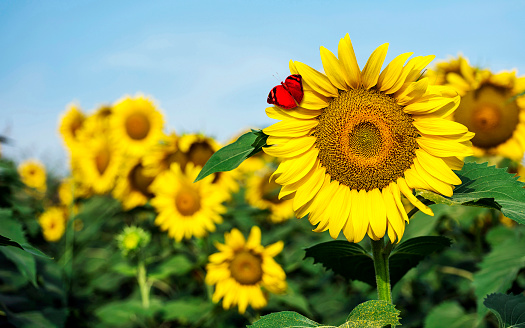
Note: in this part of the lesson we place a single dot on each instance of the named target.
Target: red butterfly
(289, 94)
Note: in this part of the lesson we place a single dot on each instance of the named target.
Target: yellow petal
(377, 213)
(254, 239)
(333, 69)
(294, 147)
(438, 126)
(438, 185)
(291, 128)
(443, 148)
(340, 208)
(391, 73)
(317, 80)
(437, 167)
(314, 101)
(359, 214)
(413, 199)
(309, 189)
(351, 71)
(302, 165)
(370, 73)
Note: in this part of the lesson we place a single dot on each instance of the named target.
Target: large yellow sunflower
(70, 124)
(360, 138)
(132, 185)
(162, 155)
(263, 194)
(33, 174)
(186, 209)
(53, 223)
(136, 125)
(493, 107)
(243, 270)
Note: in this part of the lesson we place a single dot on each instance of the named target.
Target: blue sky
(210, 64)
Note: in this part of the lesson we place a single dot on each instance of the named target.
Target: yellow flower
(197, 149)
(136, 125)
(53, 223)
(132, 186)
(263, 194)
(70, 124)
(360, 138)
(491, 107)
(33, 175)
(132, 239)
(243, 270)
(162, 155)
(185, 208)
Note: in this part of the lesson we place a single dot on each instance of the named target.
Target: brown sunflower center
(199, 153)
(188, 201)
(489, 112)
(102, 160)
(365, 140)
(246, 268)
(139, 181)
(137, 126)
(76, 125)
(270, 190)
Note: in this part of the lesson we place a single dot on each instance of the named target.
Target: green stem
(380, 256)
(143, 284)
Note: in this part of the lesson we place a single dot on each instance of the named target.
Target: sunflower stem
(380, 256)
(143, 283)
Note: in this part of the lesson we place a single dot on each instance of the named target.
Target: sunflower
(69, 126)
(493, 107)
(243, 270)
(263, 194)
(53, 223)
(197, 149)
(101, 160)
(132, 185)
(136, 125)
(33, 175)
(185, 208)
(162, 155)
(360, 138)
(458, 72)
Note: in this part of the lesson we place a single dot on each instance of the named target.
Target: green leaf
(4, 241)
(451, 315)
(372, 314)
(347, 259)
(229, 157)
(409, 253)
(486, 186)
(509, 309)
(126, 313)
(284, 319)
(499, 268)
(177, 265)
(33, 250)
(186, 311)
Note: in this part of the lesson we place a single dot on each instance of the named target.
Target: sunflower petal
(370, 73)
(350, 68)
(317, 80)
(332, 69)
(391, 73)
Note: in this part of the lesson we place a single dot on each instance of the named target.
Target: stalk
(143, 283)
(380, 257)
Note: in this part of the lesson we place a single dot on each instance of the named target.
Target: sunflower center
(76, 125)
(199, 153)
(102, 160)
(246, 268)
(139, 181)
(490, 113)
(365, 140)
(137, 126)
(188, 201)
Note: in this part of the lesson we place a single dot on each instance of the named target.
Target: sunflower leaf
(347, 259)
(285, 319)
(501, 265)
(372, 314)
(4, 241)
(509, 309)
(231, 156)
(486, 186)
(450, 314)
(409, 253)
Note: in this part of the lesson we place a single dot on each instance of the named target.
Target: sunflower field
(385, 194)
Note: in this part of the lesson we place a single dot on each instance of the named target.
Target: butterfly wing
(281, 97)
(294, 85)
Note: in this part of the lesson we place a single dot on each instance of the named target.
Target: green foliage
(370, 314)
(486, 186)
(232, 155)
(450, 315)
(188, 310)
(500, 267)
(354, 263)
(4, 241)
(509, 309)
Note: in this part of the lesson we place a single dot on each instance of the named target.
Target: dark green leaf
(409, 253)
(372, 314)
(499, 268)
(186, 310)
(347, 259)
(451, 315)
(4, 241)
(486, 187)
(177, 265)
(284, 319)
(509, 309)
(126, 313)
(34, 319)
(229, 157)
(24, 261)
(30, 249)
